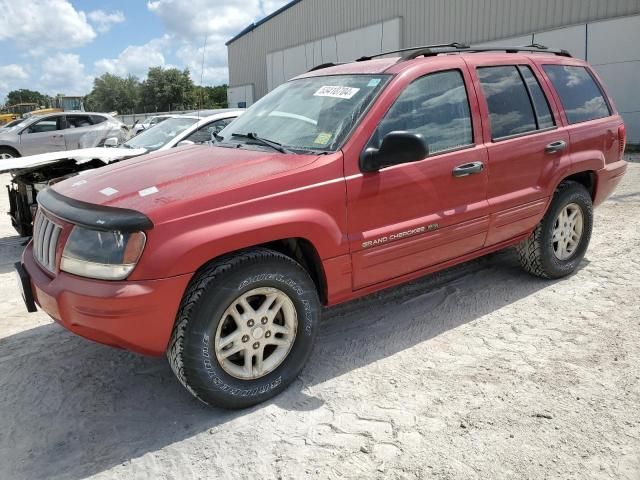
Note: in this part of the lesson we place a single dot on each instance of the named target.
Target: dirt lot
(480, 372)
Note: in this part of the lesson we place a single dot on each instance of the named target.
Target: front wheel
(8, 153)
(560, 241)
(245, 328)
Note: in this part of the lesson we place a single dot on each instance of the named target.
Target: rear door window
(540, 102)
(510, 109)
(78, 121)
(579, 93)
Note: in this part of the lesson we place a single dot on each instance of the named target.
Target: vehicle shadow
(70, 408)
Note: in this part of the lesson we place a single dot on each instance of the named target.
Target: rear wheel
(560, 241)
(245, 328)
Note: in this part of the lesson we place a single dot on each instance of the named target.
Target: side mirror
(397, 148)
(111, 142)
(184, 143)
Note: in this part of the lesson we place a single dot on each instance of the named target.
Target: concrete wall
(240, 96)
(312, 32)
(423, 22)
(344, 47)
(611, 46)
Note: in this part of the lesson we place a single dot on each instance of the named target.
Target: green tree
(166, 90)
(113, 93)
(210, 97)
(28, 96)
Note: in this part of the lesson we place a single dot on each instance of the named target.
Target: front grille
(46, 235)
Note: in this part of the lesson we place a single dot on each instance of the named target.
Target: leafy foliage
(165, 89)
(113, 93)
(24, 95)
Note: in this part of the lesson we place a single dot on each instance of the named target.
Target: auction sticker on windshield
(337, 92)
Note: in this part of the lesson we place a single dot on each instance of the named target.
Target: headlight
(102, 255)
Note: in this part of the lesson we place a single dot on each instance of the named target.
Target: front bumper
(137, 316)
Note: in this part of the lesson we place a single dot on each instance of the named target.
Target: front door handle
(555, 147)
(468, 169)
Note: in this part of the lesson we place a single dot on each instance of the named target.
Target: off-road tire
(536, 253)
(191, 351)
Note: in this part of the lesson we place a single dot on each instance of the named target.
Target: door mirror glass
(184, 143)
(397, 148)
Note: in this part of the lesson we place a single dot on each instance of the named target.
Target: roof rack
(324, 65)
(432, 51)
(455, 47)
(424, 47)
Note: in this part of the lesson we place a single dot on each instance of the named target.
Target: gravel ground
(479, 372)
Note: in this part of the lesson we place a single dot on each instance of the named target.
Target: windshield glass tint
(161, 134)
(310, 113)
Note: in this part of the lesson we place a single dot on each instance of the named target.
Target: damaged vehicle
(32, 174)
(57, 132)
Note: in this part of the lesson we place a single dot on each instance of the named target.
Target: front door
(43, 136)
(408, 217)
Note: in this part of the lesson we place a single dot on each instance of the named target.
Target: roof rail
(455, 47)
(402, 50)
(433, 51)
(324, 65)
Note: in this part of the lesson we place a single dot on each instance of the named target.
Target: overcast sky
(59, 46)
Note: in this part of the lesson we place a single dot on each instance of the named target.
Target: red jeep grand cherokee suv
(344, 181)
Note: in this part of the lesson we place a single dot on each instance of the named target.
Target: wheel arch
(9, 147)
(586, 178)
(297, 248)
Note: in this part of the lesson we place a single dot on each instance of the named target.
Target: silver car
(58, 131)
(32, 174)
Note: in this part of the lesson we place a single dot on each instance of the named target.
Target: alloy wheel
(256, 333)
(567, 231)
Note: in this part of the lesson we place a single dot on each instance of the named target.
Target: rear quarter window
(581, 97)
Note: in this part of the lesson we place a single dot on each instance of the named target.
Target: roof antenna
(204, 51)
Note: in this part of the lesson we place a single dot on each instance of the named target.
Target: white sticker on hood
(337, 92)
(108, 191)
(148, 191)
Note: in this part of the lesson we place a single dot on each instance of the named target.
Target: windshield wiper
(263, 141)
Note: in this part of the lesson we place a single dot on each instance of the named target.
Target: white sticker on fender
(337, 92)
(108, 191)
(148, 191)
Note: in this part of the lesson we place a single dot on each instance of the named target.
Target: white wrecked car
(32, 174)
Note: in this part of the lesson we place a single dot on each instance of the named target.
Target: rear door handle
(555, 147)
(468, 169)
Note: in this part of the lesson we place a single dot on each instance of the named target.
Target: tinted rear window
(545, 119)
(580, 95)
(510, 109)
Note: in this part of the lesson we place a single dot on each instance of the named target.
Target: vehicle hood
(182, 181)
(33, 162)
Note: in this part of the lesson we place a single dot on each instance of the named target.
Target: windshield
(161, 134)
(12, 123)
(309, 114)
(17, 124)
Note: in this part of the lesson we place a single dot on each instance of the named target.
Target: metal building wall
(423, 22)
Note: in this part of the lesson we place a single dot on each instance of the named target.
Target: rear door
(77, 127)
(43, 136)
(408, 217)
(527, 144)
(590, 116)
